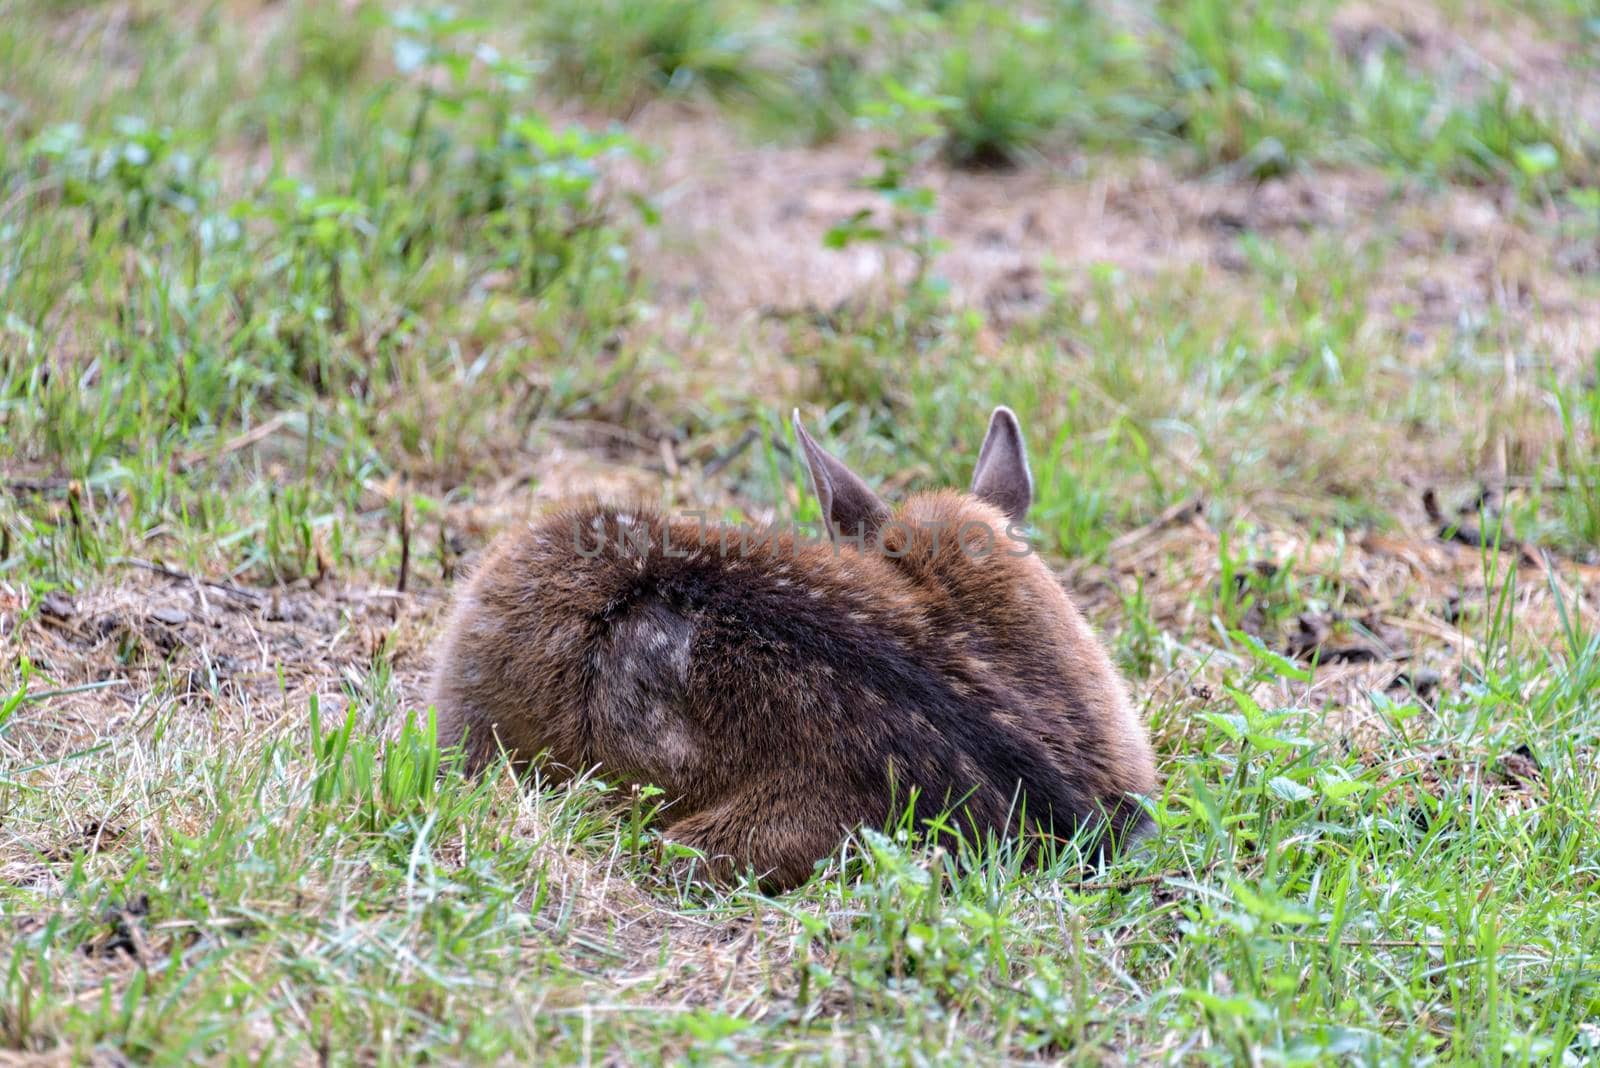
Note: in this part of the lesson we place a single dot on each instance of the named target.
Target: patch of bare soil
(248, 656)
(743, 232)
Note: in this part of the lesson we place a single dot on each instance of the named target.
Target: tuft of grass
(624, 52)
(1005, 97)
(332, 46)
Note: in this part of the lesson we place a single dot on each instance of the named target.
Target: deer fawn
(784, 690)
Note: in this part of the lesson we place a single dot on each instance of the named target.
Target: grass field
(301, 302)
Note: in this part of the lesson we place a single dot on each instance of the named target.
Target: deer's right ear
(1002, 477)
(848, 504)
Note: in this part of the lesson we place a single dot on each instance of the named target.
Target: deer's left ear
(1002, 477)
(848, 504)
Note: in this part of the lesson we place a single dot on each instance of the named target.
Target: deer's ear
(1002, 477)
(848, 504)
